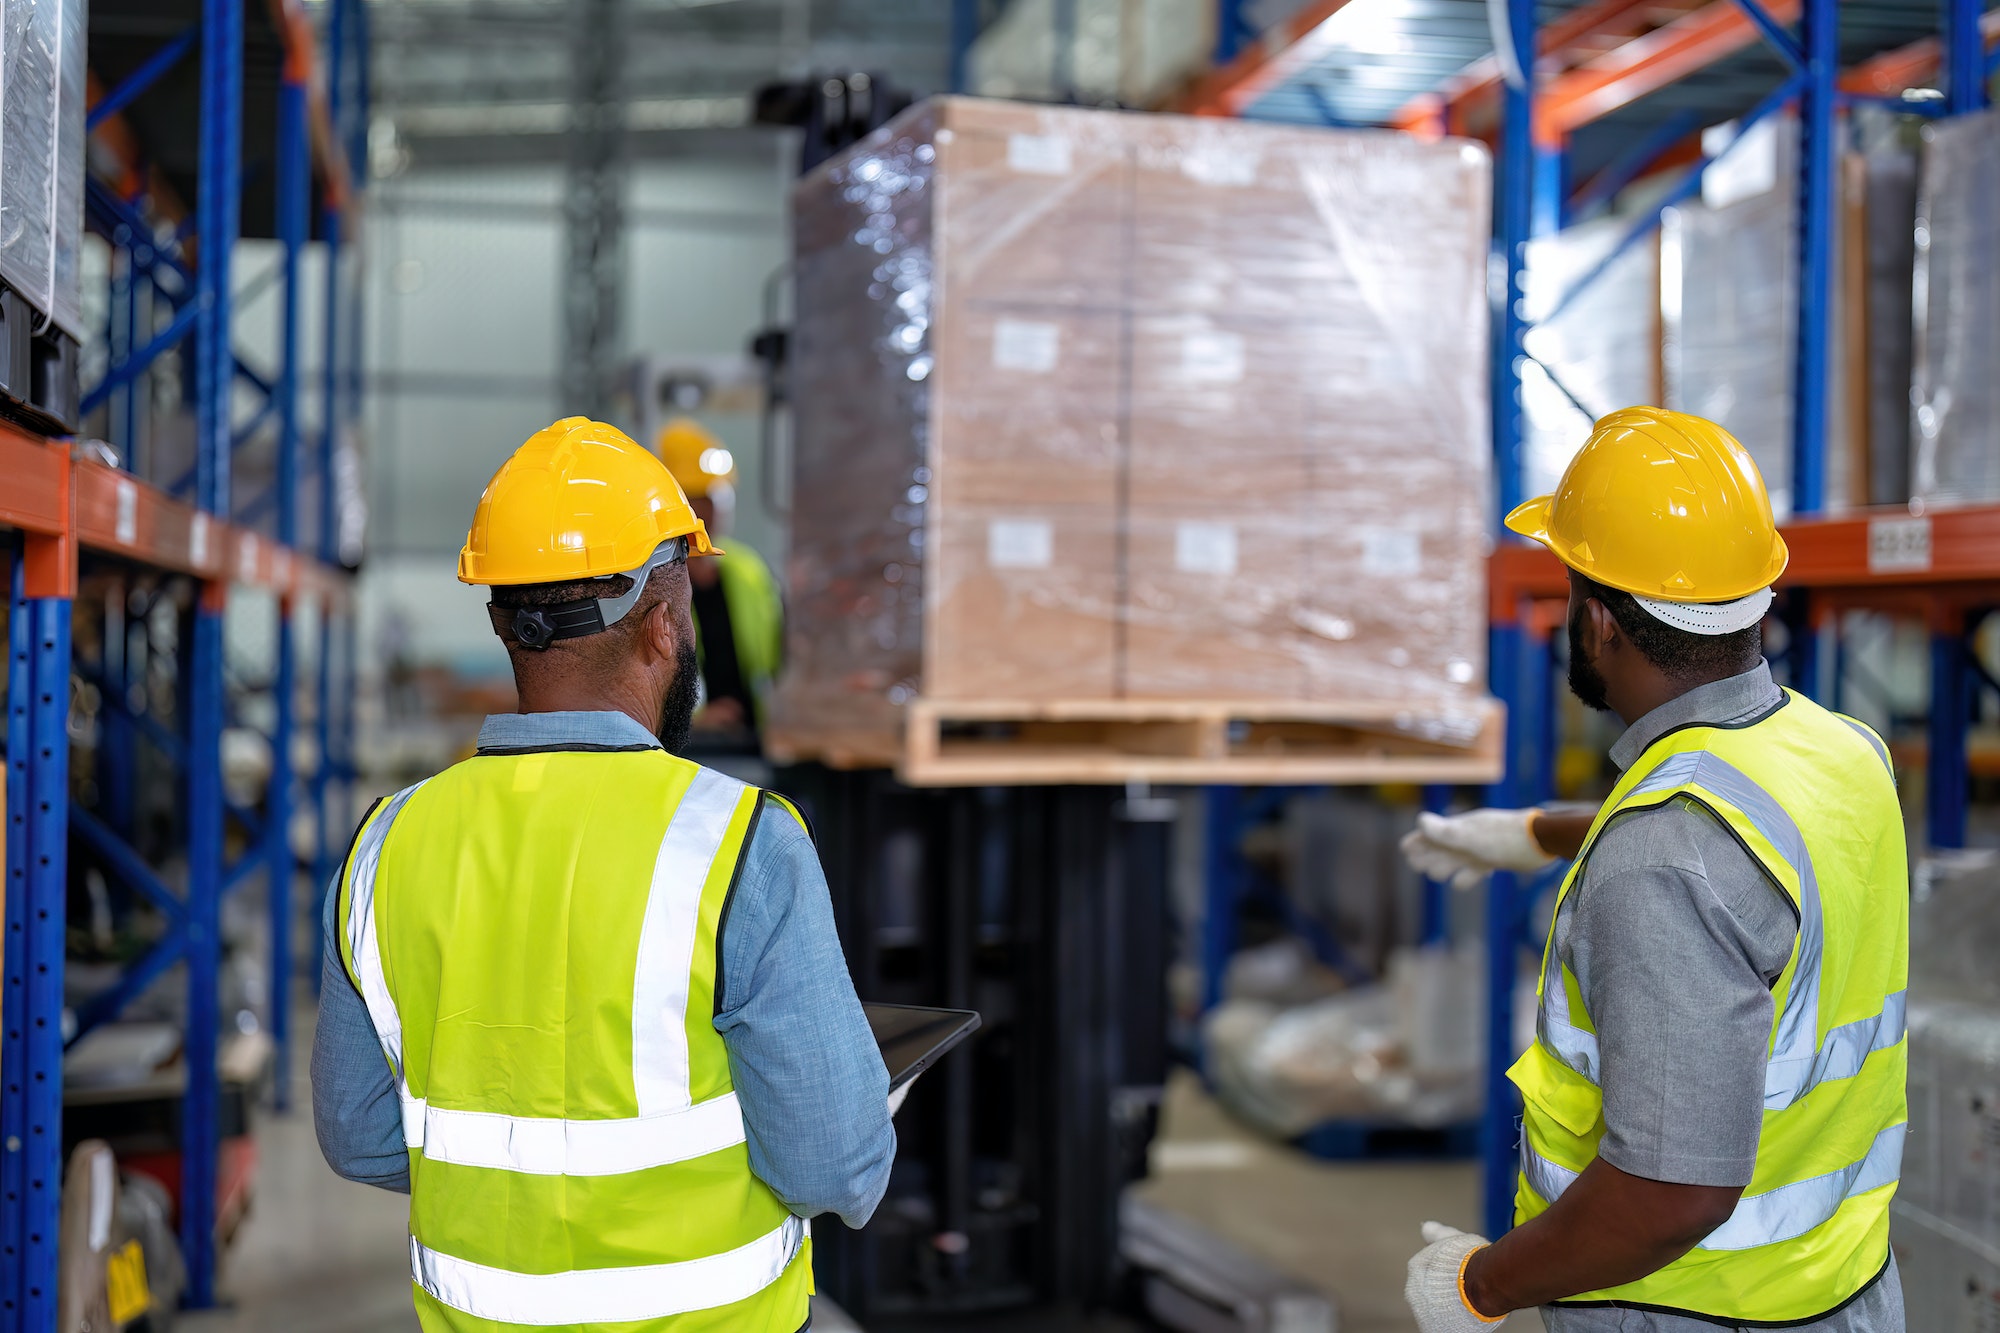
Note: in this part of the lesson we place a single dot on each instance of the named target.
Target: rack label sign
(1899, 545)
(126, 524)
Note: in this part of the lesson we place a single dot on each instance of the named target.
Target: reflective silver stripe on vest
(669, 1130)
(550, 1147)
(365, 946)
(1785, 1213)
(1792, 1210)
(608, 1295)
(1796, 1038)
(1571, 1044)
(666, 941)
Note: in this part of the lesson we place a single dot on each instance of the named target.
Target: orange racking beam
(64, 502)
(1910, 66)
(1888, 558)
(1647, 64)
(1568, 41)
(1263, 65)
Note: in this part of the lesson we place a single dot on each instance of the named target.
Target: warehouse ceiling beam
(1288, 49)
(1650, 63)
(1579, 35)
(1917, 65)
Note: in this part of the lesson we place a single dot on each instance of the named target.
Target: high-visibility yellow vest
(756, 617)
(1810, 795)
(535, 936)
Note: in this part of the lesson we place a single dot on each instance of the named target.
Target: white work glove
(896, 1096)
(1465, 849)
(1435, 1288)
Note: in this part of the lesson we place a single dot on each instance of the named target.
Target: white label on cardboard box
(1390, 552)
(126, 525)
(1029, 345)
(1899, 545)
(1038, 154)
(1212, 357)
(1213, 164)
(198, 541)
(1205, 548)
(1020, 543)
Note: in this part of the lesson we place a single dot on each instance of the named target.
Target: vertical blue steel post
(1965, 57)
(1945, 792)
(323, 852)
(200, 1122)
(1550, 189)
(1229, 30)
(964, 32)
(216, 209)
(294, 202)
(123, 340)
(1820, 34)
(1514, 218)
(217, 203)
(37, 875)
(1223, 879)
(329, 407)
(1497, 1137)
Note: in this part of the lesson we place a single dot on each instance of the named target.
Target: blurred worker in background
(583, 999)
(738, 616)
(1715, 1095)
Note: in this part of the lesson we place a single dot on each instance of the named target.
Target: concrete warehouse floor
(318, 1255)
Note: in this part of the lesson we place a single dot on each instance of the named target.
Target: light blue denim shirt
(808, 1074)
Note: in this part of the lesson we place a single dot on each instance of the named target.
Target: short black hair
(1683, 657)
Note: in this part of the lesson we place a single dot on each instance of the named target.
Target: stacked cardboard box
(1093, 406)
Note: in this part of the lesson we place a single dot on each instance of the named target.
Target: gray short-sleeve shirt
(1676, 935)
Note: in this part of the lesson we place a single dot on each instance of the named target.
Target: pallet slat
(950, 743)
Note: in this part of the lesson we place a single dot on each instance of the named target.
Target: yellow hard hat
(697, 459)
(579, 500)
(1663, 505)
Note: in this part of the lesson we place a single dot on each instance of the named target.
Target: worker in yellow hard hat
(583, 999)
(1714, 1100)
(737, 609)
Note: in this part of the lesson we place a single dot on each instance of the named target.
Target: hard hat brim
(1531, 520)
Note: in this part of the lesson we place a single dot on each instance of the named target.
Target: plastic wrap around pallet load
(1101, 406)
(1955, 440)
(42, 145)
(1600, 352)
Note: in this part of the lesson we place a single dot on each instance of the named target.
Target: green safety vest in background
(535, 936)
(1811, 796)
(756, 617)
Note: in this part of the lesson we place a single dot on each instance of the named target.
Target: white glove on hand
(1465, 849)
(897, 1095)
(1435, 1288)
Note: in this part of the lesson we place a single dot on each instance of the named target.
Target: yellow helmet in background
(579, 500)
(698, 460)
(1663, 505)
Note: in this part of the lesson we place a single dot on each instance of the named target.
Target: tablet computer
(913, 1037)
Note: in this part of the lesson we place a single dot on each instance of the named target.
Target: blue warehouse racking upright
(1595, 59)
(256, 497)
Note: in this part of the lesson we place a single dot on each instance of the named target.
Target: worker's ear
(659, 638)
(1601, 632)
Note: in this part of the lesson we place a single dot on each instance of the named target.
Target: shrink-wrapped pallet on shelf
(42, 143)
(1955, 437)
(1946, 1215)
(1594, 351)
(1096, 406)
(1729, 304)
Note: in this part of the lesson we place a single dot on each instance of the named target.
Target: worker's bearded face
(677, 709)
(1585, 681)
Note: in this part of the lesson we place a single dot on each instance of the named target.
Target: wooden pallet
(971, 743)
